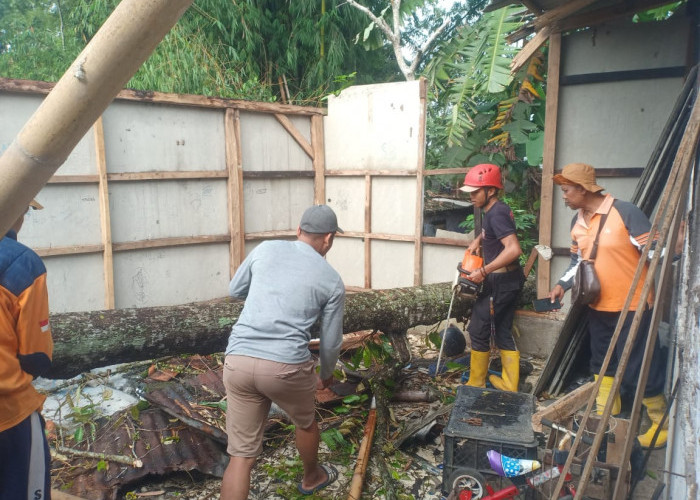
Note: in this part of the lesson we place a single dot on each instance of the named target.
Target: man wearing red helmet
(494, 309)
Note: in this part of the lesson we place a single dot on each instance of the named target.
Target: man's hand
(476, 276)
(557, 293)
(323, 383)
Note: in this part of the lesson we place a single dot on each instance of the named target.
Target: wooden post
(550, 139)
(420, 172)
(113, 55)
(319, 159)
(368, 231)
(236, 212)
(105, 221)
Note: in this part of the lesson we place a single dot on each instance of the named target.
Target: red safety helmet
(482, 175)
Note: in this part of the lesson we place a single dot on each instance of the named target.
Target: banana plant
(472, 73)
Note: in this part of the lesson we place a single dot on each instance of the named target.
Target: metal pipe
(122, 44)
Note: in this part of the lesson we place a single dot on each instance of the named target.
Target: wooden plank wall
(234, 176)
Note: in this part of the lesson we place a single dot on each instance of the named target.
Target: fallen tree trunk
(86, 340)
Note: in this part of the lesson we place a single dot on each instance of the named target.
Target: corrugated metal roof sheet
(162, 443)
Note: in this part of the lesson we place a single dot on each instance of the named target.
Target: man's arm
(567, 279)
(240, 284)
(33, 331)
(331, 332)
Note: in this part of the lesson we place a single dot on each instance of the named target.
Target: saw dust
(158, 430)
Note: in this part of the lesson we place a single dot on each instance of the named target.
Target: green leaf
(102, 465)
(221, 405)
(353, 398)
(534, 148)
(368, 31)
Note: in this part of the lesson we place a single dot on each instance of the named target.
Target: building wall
(614, 124)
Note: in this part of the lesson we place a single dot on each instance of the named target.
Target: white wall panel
(440, 263)
(276, 204)
(16, 109)
(394, 205)
(348, 258)
(144, 137)
(170, 276)
(392, 264)
(374, 127)
(613, 125)
(75, 282)
(267, 146)
(71, 216)
(166, 209)
(346, 196)
(626, 46)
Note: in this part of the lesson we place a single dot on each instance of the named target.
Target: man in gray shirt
(288, 286)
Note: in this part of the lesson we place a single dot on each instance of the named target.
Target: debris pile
(157, 429)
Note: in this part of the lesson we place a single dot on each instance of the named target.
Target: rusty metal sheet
(175, 400)
(163, 444)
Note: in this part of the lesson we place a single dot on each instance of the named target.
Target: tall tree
(413, 28)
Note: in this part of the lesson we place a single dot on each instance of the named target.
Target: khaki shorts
(251, 385)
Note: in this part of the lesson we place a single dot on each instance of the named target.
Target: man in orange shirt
(625, 232)
(26, 347)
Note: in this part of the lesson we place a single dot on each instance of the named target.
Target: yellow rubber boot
(478, 367)
(602, 396)
(656, 407)
(510, 375)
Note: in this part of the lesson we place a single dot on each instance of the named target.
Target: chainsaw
(466, 287)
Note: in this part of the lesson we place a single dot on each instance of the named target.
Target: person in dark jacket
(494, 309)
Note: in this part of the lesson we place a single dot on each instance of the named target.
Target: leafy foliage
(482, 113)
(258, 49)
(659, 13)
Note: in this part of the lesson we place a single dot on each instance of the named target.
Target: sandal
(332, 474)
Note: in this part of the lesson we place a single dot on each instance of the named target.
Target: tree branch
(393, 36)
(424, 48)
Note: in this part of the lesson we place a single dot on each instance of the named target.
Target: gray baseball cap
(319, 219)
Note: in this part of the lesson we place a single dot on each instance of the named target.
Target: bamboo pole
(664, 275)
(114, 54)
(669, 200)
(363, 455)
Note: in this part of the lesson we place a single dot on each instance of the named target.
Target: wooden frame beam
(622, 9)
(37, 87)
(105, 221)
(134, 245)
(171, 242)
(420, 167)
(296, 135)
(319, 159)
(234, 191)
(558, 13)
(373, 173)
(548, 158)
(368, 230)
(529, 49)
